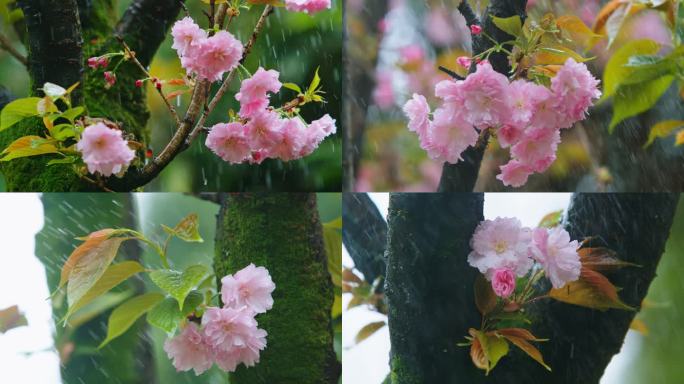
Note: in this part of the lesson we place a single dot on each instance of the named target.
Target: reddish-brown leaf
(93, 240)
(527, 348)
(521, 333)
(485, 298)
(592, 290)
(602, 259)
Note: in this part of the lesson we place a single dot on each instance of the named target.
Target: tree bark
(127, 359)
(430, 288)
(364, 234)
(283, 233)
(461, 177)
(429, 285)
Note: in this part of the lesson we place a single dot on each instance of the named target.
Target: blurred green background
(293, 43)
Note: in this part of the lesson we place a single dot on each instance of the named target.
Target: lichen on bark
(283, 233)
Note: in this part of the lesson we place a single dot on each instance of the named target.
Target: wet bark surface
(364, 234)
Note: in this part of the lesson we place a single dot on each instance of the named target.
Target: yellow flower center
(500, 246)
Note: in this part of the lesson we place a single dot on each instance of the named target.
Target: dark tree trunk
(364, 233)
(127, 359)
(461, 177)
(283, 233)
(429, 285)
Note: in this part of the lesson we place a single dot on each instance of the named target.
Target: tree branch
(461, 177)
(468, 13)
(144, 25)
(6, 44)
(364, 234)
(54, 43)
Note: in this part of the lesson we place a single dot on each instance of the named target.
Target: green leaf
(485, 298)
(315, 82)
(105, 302)
(66, 160)
(113, 276)
(368, 330)
(17, 111)
(187, 229)
(179, 284)
(72, 113)
(166, 315)
(334, 224)
(511, 25)
(28, 146)
(332, 239)
(616, 71)
(61, 132)
(631, 100)
(487, 350)
(551, 220)
(11, 318)
(662, 129)
(125, 315)
(293, 87)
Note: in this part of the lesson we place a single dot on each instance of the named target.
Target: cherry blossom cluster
(227, 336)
(503, 249)
(527, 117)
(263, 132)
(307, 6)
(209, 57)
(104, 150)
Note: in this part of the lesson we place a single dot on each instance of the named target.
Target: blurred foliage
(293, 43)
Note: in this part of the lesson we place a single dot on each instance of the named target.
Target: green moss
(123, 103)
(400, 373)
(282, 232)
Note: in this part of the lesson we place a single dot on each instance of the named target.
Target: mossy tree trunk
(283, 233)
(62, 34)
(430, 288)
(127, 359)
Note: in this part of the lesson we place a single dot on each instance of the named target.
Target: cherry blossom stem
(131, 54)
(226, 83)
(6, 44)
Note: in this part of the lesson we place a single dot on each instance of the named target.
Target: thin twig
(6, 44)
(131, 54)
(185, 8)
(226, 83)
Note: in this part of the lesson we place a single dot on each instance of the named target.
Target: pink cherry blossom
(485, 97)
(449, 135)
(537, 149)
(186, 35)
(263, 130)
(558, 255)
(229, 142)
(316, 132)
(475, 29)
(523, 97)
(228, 360)
(251, 287)
(412, 54)
(514, 173)
(228, 328)
(464, 61)
(110, 78)
(575, 89)
(104, 149)
(418, 111)
(294, 136)
(500, 244)
(503, 282)
(253, 95)
(451, 91)
(307, 6)
(383, 94)
(216, 55)
(188, 350)
(509, 134)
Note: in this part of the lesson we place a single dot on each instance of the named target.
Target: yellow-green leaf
(166, 315)
(332, 239)
(616, 70)
(179, 284)
(92, 241)
(487, 349)
(662, 129)
(631, 100)
(679, 139)
(511, 25)
(28, 146)
(591, 290)
(315, 82)
(551, 220)
(485, 298)
(113, 276)
(579, 32)
(125, 315)
(293, 87)
(17, 111)
(187, 229)
(368, 330)
(519, 337)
